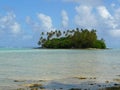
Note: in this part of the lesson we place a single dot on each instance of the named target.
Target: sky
(22, 21)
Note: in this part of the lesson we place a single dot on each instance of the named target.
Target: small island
(75, 39)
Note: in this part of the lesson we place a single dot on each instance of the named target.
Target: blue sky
(22, 21)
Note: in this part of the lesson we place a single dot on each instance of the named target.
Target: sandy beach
(74, 83)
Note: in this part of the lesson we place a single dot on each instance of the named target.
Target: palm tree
(63, 32)
(58, 33)
(77, 29)
(42, 33)
(68, 31)
(40, 40)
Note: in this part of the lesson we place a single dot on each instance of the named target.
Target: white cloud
(98, 18)
(115, 33)
(107, 18)
(113, 5)
(104, 12)
(110, 21)
(85, 17)
(65, 18)
(15, 28)
(94, 14)
(87, 2)
(34, 25)
(117, 14)
(28, 20)
(46, 21)
(9, 24)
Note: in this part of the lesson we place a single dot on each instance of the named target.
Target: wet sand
(74, 83)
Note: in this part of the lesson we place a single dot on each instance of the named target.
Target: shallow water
(48, 64)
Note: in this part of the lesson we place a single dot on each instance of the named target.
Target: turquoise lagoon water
(48, 64)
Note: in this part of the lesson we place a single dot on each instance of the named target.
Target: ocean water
(51, 64)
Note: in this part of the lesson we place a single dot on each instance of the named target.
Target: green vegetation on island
(75, 38)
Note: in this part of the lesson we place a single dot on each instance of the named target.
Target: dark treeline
(76, 38)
